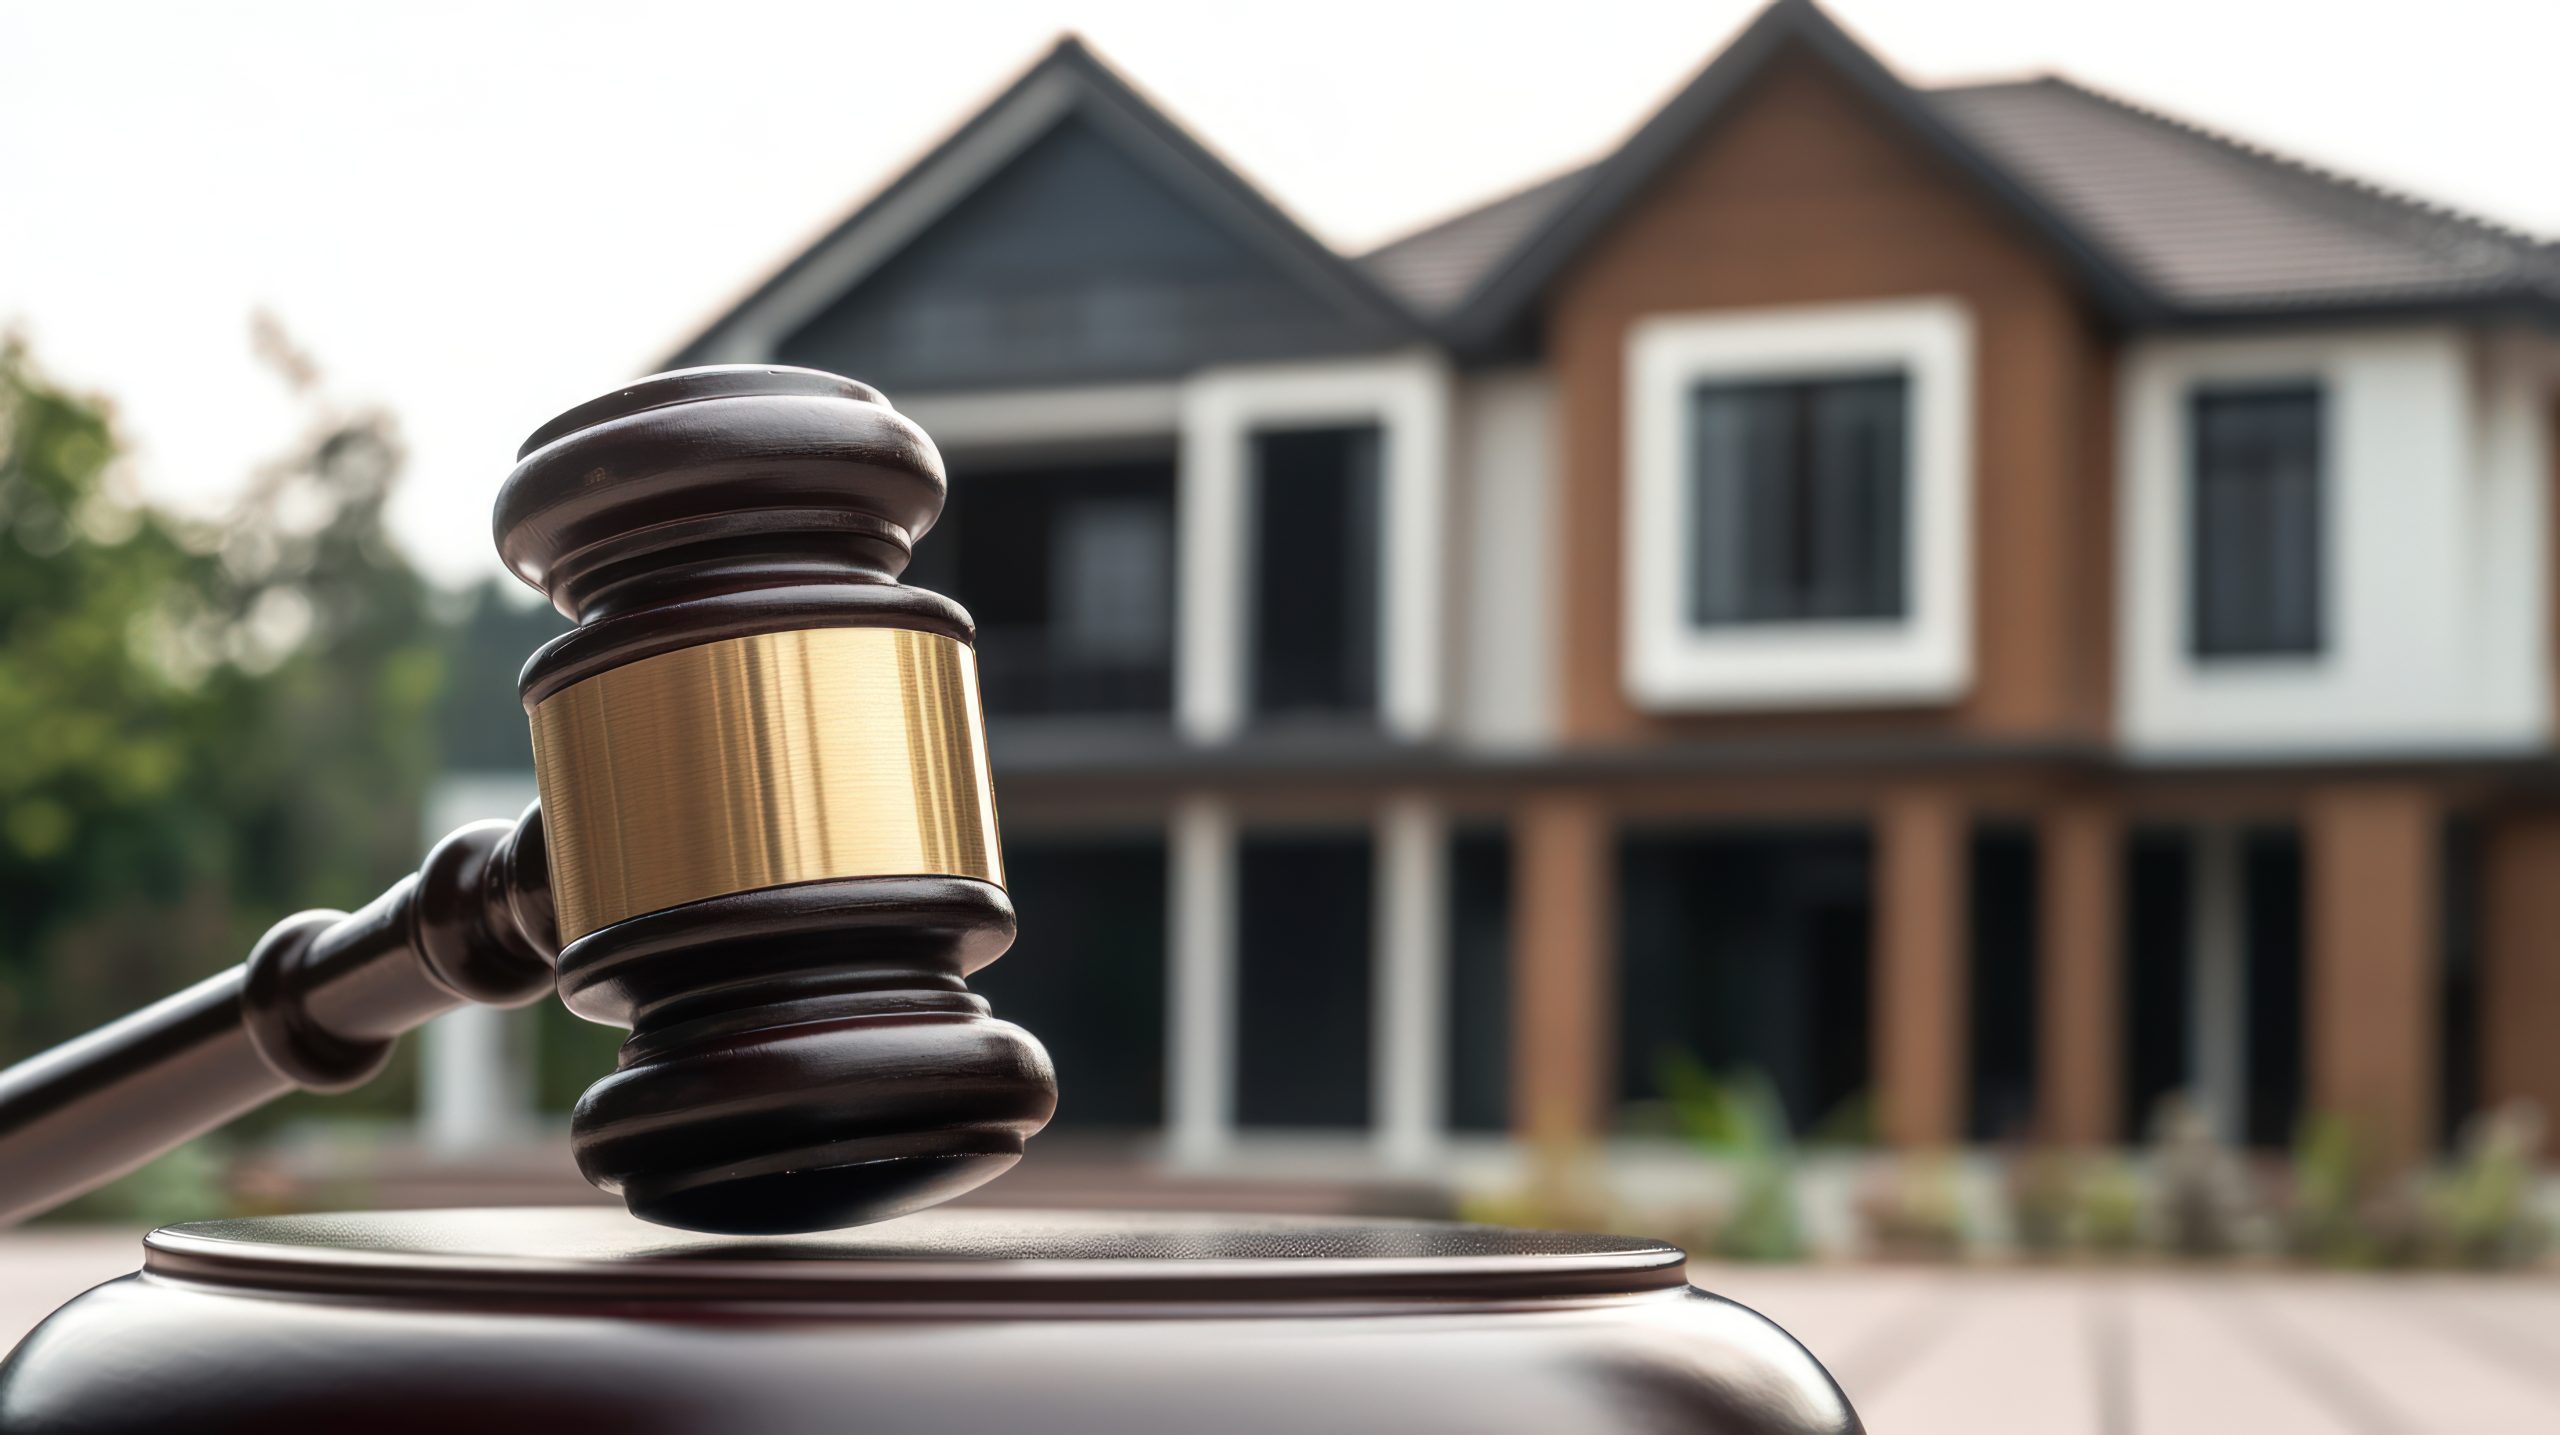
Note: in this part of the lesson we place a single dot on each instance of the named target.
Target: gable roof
(2168, 222)
(1068, 83)
(2214, 228)
(2164, 222)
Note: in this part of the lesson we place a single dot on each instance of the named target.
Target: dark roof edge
(1098, 81)
(2403, 202)
(1155, 755)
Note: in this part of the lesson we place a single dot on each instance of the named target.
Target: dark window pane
(1480, 981)
(1302, 981)
(1315, 567)
(1747, 951)
(1069, 572)
(2255, 509)
(2159, 896)
(2271, 871)
(1087, 974)
(1799, 498)
(2001, 882)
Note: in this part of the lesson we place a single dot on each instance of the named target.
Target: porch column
(1919, 1030)
(1200, 1005)
(2218, 982)
(475, 1063)
(2080, 957)
(1409, 1044)
(1563, 968)
(2375, 859)
(2520, 961)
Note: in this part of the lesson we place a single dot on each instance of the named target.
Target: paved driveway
(1926, 1352)
(2155, 1352)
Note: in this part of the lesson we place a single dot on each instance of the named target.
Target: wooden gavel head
(771, 835)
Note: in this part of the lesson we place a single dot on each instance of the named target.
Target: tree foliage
(208, 723)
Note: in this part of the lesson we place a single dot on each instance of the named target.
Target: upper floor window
(1316, 518)
(1798, 509)
(1799, 506)
(2255, 510)
(1068, 569)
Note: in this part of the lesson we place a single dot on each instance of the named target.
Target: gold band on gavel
(758, 761)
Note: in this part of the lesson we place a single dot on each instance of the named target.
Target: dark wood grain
(961, 1321)
(316, 1006)
(808, 1056)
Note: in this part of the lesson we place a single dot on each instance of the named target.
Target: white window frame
(1408, 397)
(1924, 656)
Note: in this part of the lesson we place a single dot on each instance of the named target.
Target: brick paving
(1938, 1352)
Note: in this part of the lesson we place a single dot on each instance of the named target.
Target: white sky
(480, 213)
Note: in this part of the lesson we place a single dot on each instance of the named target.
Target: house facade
(1987, 604)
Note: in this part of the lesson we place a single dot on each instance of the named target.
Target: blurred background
(1912, 633)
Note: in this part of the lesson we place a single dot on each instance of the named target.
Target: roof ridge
(1473, 209)
(2373, 193)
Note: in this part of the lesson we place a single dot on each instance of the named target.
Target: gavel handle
(317, 1006)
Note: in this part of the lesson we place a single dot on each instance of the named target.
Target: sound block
(968, 1320)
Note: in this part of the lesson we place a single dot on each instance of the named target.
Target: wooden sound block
(967, 1320)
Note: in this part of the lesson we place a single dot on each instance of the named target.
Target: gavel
(765, 843)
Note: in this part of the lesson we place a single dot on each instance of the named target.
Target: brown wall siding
(1564, 1001)
(1803, 193)
(2520, 978)
(2373, 898)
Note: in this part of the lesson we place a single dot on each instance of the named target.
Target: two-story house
(1987, 598)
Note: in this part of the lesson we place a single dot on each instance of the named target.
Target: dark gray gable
(1067, 234)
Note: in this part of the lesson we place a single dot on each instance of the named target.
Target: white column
(473, 1082)
(1409, 397)
(1411, 972)
(475, 1077)
(1211, 565)
(1415, 643)
(2217, 989)
(1201, 923)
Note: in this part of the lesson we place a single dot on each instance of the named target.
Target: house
(1988, 600)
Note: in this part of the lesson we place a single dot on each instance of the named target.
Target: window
(1088, 974)
(1315, 571)
(2255, 509)
(1303, 980)
(1068, 570)
(1479, 995)
(1747, 951)
(1797, 509)
(2001, 908)
(1799, 506)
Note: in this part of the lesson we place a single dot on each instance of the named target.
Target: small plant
(2479, 1213)
(1914, 1210)
(2205, 1206)
(2347, 1210)
(1566, 1191)
(1740, 1120)
(2044, 1200)
(2107, 1218)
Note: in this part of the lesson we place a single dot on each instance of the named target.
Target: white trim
(2218, 983)
(1200, 1037)
(1023, 417)
(1928, 654)
(1503, 506)
(1410, 969)
(1408, 397)
(2434, 570)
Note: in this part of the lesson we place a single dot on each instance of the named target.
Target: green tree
(210, 723)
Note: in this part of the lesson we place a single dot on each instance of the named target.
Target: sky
(479, 214)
